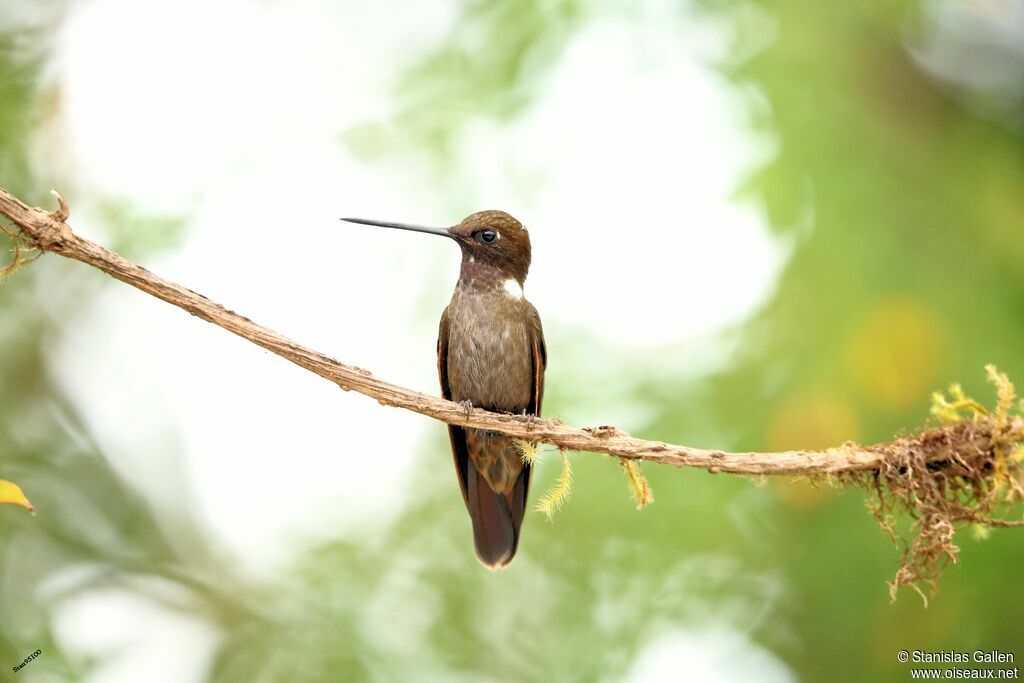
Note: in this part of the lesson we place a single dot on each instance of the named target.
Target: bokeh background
(757, 225)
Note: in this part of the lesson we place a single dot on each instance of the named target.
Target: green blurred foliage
(907, 273)
(487, 67)
(89, 525)
(910, 277)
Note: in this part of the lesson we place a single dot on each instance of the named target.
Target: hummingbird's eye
(487, 236)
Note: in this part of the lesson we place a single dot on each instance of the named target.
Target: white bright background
(230, 114)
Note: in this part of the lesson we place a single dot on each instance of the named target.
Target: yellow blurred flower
(810, 420)
(894, 353)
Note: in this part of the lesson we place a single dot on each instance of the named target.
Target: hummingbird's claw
(468, 405)
(530, 419)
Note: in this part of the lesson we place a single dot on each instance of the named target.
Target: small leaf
(12, 493)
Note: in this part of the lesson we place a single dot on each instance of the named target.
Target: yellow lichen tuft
(1005, 393)
(957, 407)
(526, 450)
(22, 254)
(553, 499)
(637, 483)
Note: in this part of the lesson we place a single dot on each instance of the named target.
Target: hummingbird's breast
(490, 354)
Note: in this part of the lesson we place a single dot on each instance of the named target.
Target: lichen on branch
(22, 253)
(979, 484)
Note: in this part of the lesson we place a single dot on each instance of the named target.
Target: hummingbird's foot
(530, 419)
(468, 406)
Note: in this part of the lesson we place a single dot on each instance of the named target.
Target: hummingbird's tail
(497, 517)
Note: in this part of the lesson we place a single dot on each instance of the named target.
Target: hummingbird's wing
(456, 434)
(540, 361)
(540, 364)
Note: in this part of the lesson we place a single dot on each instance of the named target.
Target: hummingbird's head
(496, 239)
(487, 238)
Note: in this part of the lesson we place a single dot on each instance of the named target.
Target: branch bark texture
(49, 231)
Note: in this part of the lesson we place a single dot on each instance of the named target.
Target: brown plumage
(491, 355)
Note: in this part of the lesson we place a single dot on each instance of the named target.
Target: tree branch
(964, 471)
(50, 232)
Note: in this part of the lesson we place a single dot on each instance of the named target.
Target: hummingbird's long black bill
(401, 226)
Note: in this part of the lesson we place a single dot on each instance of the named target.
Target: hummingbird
(490, 355)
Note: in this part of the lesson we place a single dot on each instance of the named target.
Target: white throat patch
(513, 288)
